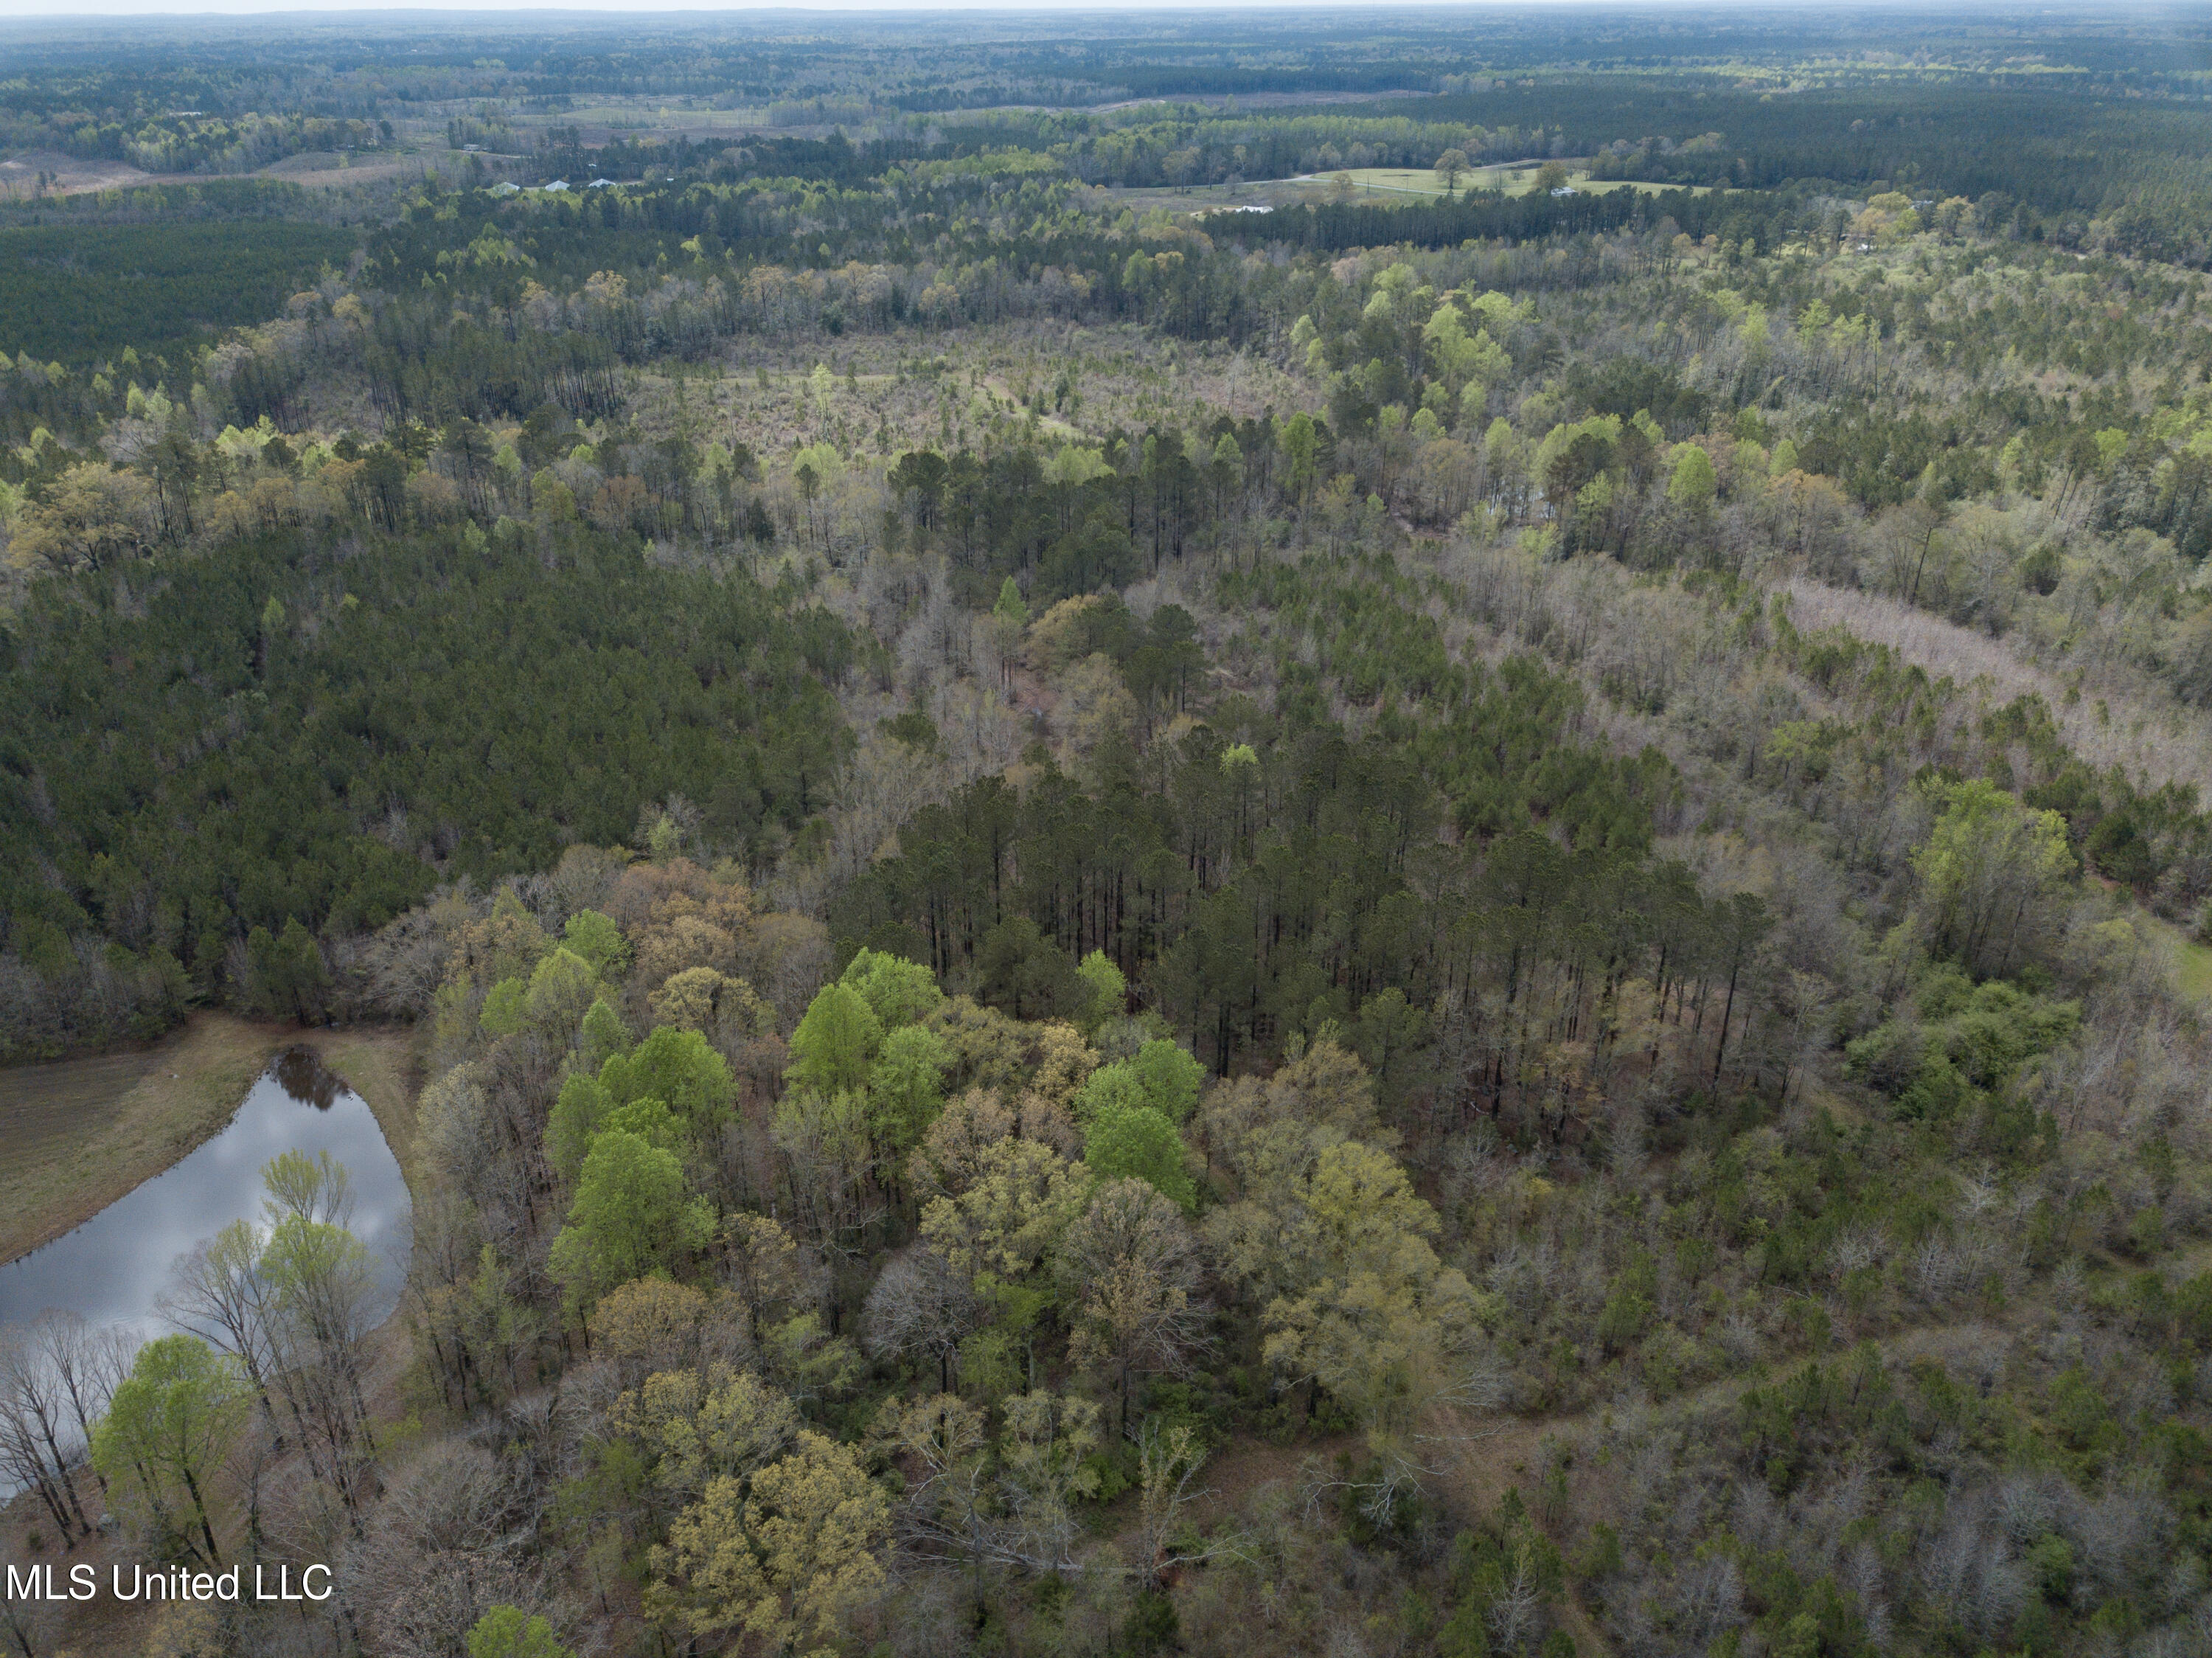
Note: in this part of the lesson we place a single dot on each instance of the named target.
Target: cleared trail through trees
(2153, 744)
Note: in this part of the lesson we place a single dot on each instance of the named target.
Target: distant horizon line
(97, 11)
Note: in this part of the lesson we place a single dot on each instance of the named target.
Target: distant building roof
(557, 184)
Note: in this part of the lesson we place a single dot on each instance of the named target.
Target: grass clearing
(1420, 181)
(82, 1132)
(2193, 967)
(1411, 181)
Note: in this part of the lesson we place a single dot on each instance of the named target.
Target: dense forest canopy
(1371, 833)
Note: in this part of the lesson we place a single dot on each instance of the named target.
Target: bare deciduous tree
(920, 1307)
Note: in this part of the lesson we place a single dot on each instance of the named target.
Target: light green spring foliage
(1300, 440)
(597, 939)
(633, 1215)
(1377, 1318)
(1116, 1086)
(906, 1086)
(504, 1008)
(601, 1036)
(1694, 482)
(682, 1068)
(673, 1090)
(837, 1041)
(316, 1188)
(1106, 991)
(652, 1121)
(510, 1632)
(897, 991)
(1160, 1078)
(1463, 359)
(303, 1259)
(1123, 1142)
(582, 1106)
(1989, 869)
(1967, 1044)
(168, 1426)
(1170, 1077)
(561, 989)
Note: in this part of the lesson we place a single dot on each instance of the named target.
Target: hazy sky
(49, 11)
(46, 9)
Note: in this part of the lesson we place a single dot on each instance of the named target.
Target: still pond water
(114, 1268)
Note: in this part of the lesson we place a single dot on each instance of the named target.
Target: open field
(2192, 966)
(66, 175)
(82, 1132)
(1420, 181)
(1514, 180)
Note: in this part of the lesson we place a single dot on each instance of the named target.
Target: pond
(114, 1268)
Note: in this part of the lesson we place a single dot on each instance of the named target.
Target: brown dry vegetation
(973, 382)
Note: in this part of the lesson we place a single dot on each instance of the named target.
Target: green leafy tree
(511, 1632)
(1115, 1087)
(579, 1110)
(652, 1121)
(1142, 1144)
(681, 1069)
(1171, 1078)
(633, 1215)
(168, 1426)
(1462, 359)
(1693, 483)
(602, 1035)
(562, 988)
(906, 1088)
(506, 1005)
(897, 991)
(1107, 991)
(1380, 1321)
(1161, 1077)
(1991, 876)
(835, 1042)
(1301, 445)
(597, 939)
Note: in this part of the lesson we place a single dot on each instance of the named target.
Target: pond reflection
(300, 1073)
(114, 1268)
